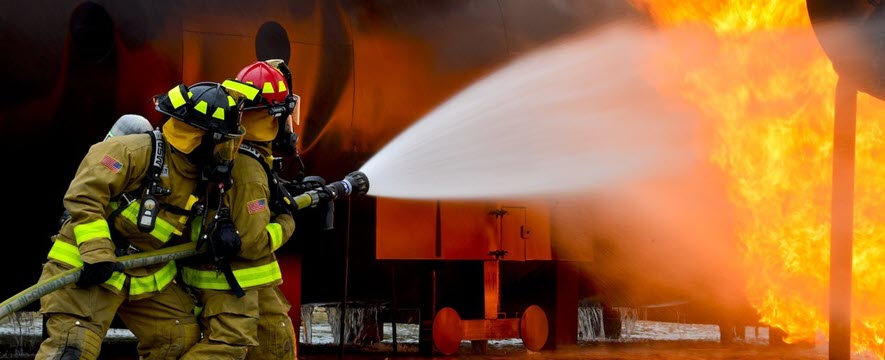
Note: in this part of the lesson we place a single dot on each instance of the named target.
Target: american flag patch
(255, 206)
(111, 163)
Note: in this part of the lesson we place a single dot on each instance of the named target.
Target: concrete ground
(20, 337)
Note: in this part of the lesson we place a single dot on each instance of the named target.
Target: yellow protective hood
(260, 126)
(182, 136)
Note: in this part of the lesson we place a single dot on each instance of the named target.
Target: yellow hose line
(31, 294)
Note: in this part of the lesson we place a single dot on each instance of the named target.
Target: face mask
(285, 140)
(226, 150)
(223, 154)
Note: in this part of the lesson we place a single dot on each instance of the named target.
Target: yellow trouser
(230, 325)
(276, 334)
(78, 319)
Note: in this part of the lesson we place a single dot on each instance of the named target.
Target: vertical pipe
(842, 228)
(393, 308)
(343, 315)
(428, 294)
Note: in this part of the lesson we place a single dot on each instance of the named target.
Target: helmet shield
(226, 147)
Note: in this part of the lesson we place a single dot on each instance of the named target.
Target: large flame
(757, 73)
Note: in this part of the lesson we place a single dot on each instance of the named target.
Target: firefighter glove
(225, 240)
(97, 273)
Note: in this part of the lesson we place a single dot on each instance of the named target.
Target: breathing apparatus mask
(286, 138)
(221, 157)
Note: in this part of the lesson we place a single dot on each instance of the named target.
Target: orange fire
(756, 71)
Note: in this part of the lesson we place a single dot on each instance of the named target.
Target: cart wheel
(533, 328)
(447, 331)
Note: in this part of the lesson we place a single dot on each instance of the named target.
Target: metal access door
(462, 230)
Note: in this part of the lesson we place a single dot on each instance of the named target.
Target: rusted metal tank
(74, 67)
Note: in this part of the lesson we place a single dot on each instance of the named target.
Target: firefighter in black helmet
(134, 193)
(251, 322)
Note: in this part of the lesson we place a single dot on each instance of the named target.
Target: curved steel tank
(365, 70)
(851, 33)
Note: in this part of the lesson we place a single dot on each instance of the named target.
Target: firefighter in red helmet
(278, 109)
(135, 193)
(250, 319)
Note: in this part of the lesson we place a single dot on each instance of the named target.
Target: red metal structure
(75, 67)
(476, 270)
(483, 232)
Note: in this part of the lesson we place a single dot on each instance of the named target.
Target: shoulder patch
(256, 206)
(112, 164)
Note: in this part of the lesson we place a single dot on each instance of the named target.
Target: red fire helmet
(267, 78)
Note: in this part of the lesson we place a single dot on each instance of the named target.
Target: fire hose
(355, 183)
(71, 276)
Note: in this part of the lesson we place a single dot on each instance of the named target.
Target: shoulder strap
(278, 192)
(253, 153)
(155, 167)
(149, 184)
(150, 206)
